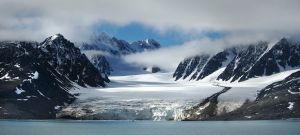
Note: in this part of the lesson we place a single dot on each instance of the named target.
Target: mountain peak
(57, 36)
(283, 40)
(151, 41)
(56, 40)
(149, 44)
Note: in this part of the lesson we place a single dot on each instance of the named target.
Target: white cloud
(37, 19)
(168, 58)
(243, 21)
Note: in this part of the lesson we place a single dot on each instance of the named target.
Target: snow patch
(6, 76)
(43, 94)
(17, 65)
(22, 99)
(19, 90)
(35, 75)
(293, 92)
(54, 37)
(291, 105)
(57, 107)
(248, 117)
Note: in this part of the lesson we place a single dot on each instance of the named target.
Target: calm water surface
(74, 127)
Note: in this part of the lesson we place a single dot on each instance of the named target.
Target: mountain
(279, 100)
(243, 63)
(190, 65)
(107, 53)
(67, 59)
(103, 66)
(36, 77)
(283, 56)
(247, 72)
(114, 46)
(198, 67)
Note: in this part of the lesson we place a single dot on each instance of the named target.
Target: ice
(143, 96)
(158, 97)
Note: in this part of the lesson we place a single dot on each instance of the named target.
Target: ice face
(135, 97)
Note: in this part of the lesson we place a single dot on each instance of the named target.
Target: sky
(181, 24)
(170, 21)
(136, 31)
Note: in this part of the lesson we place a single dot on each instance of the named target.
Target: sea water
(77, 127)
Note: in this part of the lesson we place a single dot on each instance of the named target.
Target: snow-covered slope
(279, 100)
(198, 67)
(242, 63)
(67, 59)
(190, 66)
(144, 96)
(158, 97)
(35, 79)
(234, 96)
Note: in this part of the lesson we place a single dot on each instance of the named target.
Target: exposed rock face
(155, 69)
(279, 100)
(242, 63)
(190, 65)
(206, 109)
(35, 79)
(101, 63)
(111, 51)
(114, 46)
(216, 62)
(198, 67)
(68, 60)
(284, 55)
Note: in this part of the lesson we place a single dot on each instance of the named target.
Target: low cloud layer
(169, 58)
(37, 19)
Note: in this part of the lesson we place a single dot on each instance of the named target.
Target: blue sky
(137, 31)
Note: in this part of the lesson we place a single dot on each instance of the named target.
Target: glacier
(158, 97)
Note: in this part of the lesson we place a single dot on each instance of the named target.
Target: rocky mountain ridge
(242, 63)
(36, 77)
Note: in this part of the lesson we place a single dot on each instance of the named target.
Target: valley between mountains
(59, 79)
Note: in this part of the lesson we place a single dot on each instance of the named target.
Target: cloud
(168, 58)
(37, 19)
